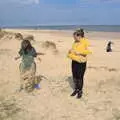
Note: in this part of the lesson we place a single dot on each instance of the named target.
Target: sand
(100, 100)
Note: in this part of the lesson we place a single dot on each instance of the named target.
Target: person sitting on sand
(109, 48)
(78, 54)
(27, 66)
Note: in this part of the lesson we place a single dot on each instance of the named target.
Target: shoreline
(98, 35)
(99, 28)
(60, 30)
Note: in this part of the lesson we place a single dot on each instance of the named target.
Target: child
(27, 66)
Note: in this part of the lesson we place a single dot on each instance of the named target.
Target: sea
(103, 28)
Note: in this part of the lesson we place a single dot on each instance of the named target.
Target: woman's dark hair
(27, 48)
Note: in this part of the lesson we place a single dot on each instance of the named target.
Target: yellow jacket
(82, 48)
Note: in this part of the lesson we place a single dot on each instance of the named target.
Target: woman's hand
(76, 53)
(39, 59)
(16, 58)
(70, 51)
(79, 54)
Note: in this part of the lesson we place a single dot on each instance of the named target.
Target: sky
(59, 12)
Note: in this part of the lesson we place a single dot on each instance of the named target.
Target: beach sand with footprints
(100, 100)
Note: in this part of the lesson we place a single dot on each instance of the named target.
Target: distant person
(78, 54)
(109, 47)
(27, 66)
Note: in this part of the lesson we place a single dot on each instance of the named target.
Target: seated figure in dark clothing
(108, 48)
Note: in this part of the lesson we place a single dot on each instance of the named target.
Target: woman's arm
(18, 57)
(85, 51)
(40, 53)
(39, 59)
(82, 54)
(35, 54)
(20, 54)
(76, 53)
(70, 51)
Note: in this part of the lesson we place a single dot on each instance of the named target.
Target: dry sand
(53, 102)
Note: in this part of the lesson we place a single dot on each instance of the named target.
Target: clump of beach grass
(19, 36)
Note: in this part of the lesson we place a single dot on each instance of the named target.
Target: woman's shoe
(37, 86)
(74, 93)
(79, 95)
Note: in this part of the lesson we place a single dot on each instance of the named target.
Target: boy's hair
(80, 32)
(75, 33)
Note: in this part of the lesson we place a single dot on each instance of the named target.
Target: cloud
(82, 2)
(96, 1)
(26, 1)
(111, 1)
(88, 3)
(31, 1)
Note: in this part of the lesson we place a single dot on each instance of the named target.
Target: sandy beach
(100, 100)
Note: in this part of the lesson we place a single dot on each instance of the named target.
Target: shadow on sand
(70, 81)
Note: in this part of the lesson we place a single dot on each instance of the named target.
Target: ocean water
(104, 28)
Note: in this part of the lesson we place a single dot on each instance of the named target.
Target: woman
(28, 66)
(78, 54)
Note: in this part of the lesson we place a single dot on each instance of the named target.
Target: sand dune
(53, 102)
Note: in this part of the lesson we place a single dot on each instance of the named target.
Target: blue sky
(59, 12)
